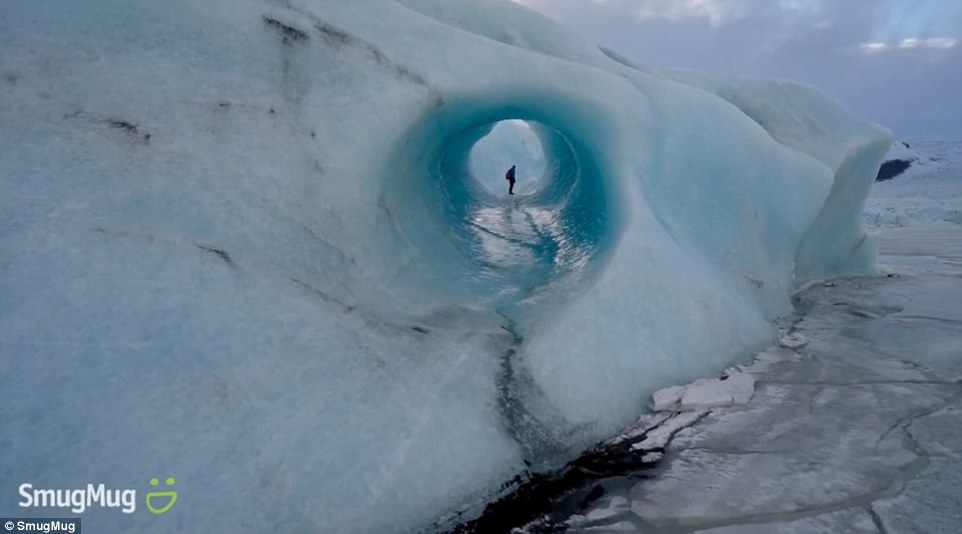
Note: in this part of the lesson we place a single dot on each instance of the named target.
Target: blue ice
(245, 245)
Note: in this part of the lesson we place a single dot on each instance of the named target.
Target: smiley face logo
(170, 494)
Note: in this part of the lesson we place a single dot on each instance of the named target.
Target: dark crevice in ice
(424, 325)
(879, 524)
(515, 241)
(531, 435)
(123, 125)
(289, 34)
(542, 502)
(129, 128)
(133, 130)
(905, 424)
(220, 253)
(920, 368)
(338, 39)
(148, 238)
(346, 308)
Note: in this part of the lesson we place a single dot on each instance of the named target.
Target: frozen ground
(858, 430)
(854, 422)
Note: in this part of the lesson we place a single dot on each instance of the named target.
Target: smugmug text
(79, 500)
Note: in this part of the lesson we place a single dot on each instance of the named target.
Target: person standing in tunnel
(509, 176)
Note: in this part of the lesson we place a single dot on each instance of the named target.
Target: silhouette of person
(509, 176)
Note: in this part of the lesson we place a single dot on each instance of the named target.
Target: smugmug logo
(170, 494)
(79, 500)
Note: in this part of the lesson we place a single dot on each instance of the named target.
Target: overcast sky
(895, 62)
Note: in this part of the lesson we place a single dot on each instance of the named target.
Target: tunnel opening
(457, 243)
(448, 197)
(509, 143)
(542, 236)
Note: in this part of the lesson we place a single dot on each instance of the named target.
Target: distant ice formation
(900, 157)
(919, 184)
(243, 246)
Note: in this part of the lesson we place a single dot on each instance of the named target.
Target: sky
(894, 62)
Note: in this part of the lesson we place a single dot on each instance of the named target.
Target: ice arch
(552, 233)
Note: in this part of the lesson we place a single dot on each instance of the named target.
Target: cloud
(910, 43)
(718, 12)
(897, 62)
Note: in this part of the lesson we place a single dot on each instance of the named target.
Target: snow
(244, 247)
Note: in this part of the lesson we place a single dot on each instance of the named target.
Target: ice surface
(793, 340)
(704, 393)
(243, 246)
(800, 117)
(929, 193)
(858, 432)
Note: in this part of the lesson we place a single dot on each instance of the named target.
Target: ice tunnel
(449, 199)
(272, 208)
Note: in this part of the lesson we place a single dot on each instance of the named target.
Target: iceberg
(246, 246)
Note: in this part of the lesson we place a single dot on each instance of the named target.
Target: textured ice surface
(243, 246)
(732, 388)
(800, 117)
(858, 432)
(929, 193)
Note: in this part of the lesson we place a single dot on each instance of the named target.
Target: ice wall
(243, 247)
(804, 119)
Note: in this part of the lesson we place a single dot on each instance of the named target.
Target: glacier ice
(855, 431)
(735, 387)
(928, 193)
(244, 246)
